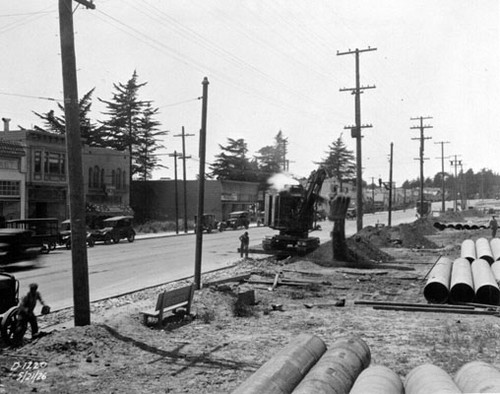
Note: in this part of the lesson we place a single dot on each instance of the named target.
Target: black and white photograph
(250, 197)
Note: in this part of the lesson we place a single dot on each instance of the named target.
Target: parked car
(17, 245)
(114, 229)
(65, 235)
(236, 220)
(45, 231)
(208, 223)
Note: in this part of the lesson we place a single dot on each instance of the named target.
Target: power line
(31, 97)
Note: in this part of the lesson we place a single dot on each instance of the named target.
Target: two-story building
(105, 173)
(12, 180)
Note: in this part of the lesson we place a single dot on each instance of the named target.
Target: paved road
(120, 268)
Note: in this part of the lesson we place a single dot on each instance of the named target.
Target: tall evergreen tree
(90, 132)
(271, 159)
(126, 120)
(233, 164)
(147, 160)
(340, 161)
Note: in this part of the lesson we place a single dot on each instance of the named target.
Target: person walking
(493, 226)
(26, 309)
(245, 241)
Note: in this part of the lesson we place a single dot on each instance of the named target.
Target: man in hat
(493, 226)
(27, 307)
(245, 241)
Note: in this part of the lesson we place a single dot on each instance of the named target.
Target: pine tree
(271, 159)
(233, 164)
(147, 160)
(125, 126)
(340, 161)
(90, 133)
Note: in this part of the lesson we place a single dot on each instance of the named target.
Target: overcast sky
(273, 65)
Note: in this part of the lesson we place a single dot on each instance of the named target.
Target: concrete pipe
(483, 250)
(439, 226)
(485, 285)
(337, 369)
(437, 289)
(468, 250)
(495, 268)
(428, 378)
(378, 380)
(283, 372)
(461, 283)
(495, 248)
(478, 377)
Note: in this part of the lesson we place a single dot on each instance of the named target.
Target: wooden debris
(338, 303)
(437, 310)
(411, 304)
(237, 278)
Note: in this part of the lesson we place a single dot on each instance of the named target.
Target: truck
(292, 212)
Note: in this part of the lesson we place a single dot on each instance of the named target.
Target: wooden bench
(170, 301)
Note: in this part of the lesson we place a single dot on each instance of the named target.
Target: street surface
(154, 260)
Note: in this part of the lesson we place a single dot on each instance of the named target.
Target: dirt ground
(225, 343)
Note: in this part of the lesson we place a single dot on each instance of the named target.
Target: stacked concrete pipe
(378, 379)
(283, 372)
(478, 377)
(428, 378)
(337, 369)
(495, 248)
(485, 285)
(437, 289)
(468, 250)
(461, 283)
(483, 250)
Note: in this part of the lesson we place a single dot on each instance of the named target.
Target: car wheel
(116, 239)
(107, 239)
(131, 237)
(209, 229)
(91, 242)
(68, 244)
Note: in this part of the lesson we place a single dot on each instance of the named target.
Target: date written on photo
(28, 371)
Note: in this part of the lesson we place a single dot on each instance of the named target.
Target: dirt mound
(362, 253)
(412, 235)
(450, 216)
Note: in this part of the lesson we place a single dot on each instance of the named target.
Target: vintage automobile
(45, 231)
(17, 245)
(208, 223)
(114, 229)
(65, 235)
(236, 220)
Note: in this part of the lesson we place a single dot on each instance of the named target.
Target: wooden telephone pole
(356, 133)
(421, 158)
(443, 205)
(81, 299)
(201, 187)
(184, 157)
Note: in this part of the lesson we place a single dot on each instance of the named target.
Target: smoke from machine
(281, 181)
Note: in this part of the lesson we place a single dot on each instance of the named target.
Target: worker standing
(245, 241)
(493, 226)
(27, 307)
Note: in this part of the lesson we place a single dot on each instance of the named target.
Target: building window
(37, 167)
(124, 183)
(113, 178)
(103, 184)
(10, 188)
(90, 177)
(96, 176)
(118, 178)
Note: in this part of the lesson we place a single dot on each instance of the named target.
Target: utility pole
(421, 158)
(175, 155)
(81, 298)
(390, 187)
(356, 133)
(201, 187)
(373, 195)
(443, 205)
(184, 157)
(463, 187)
(455, 163)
